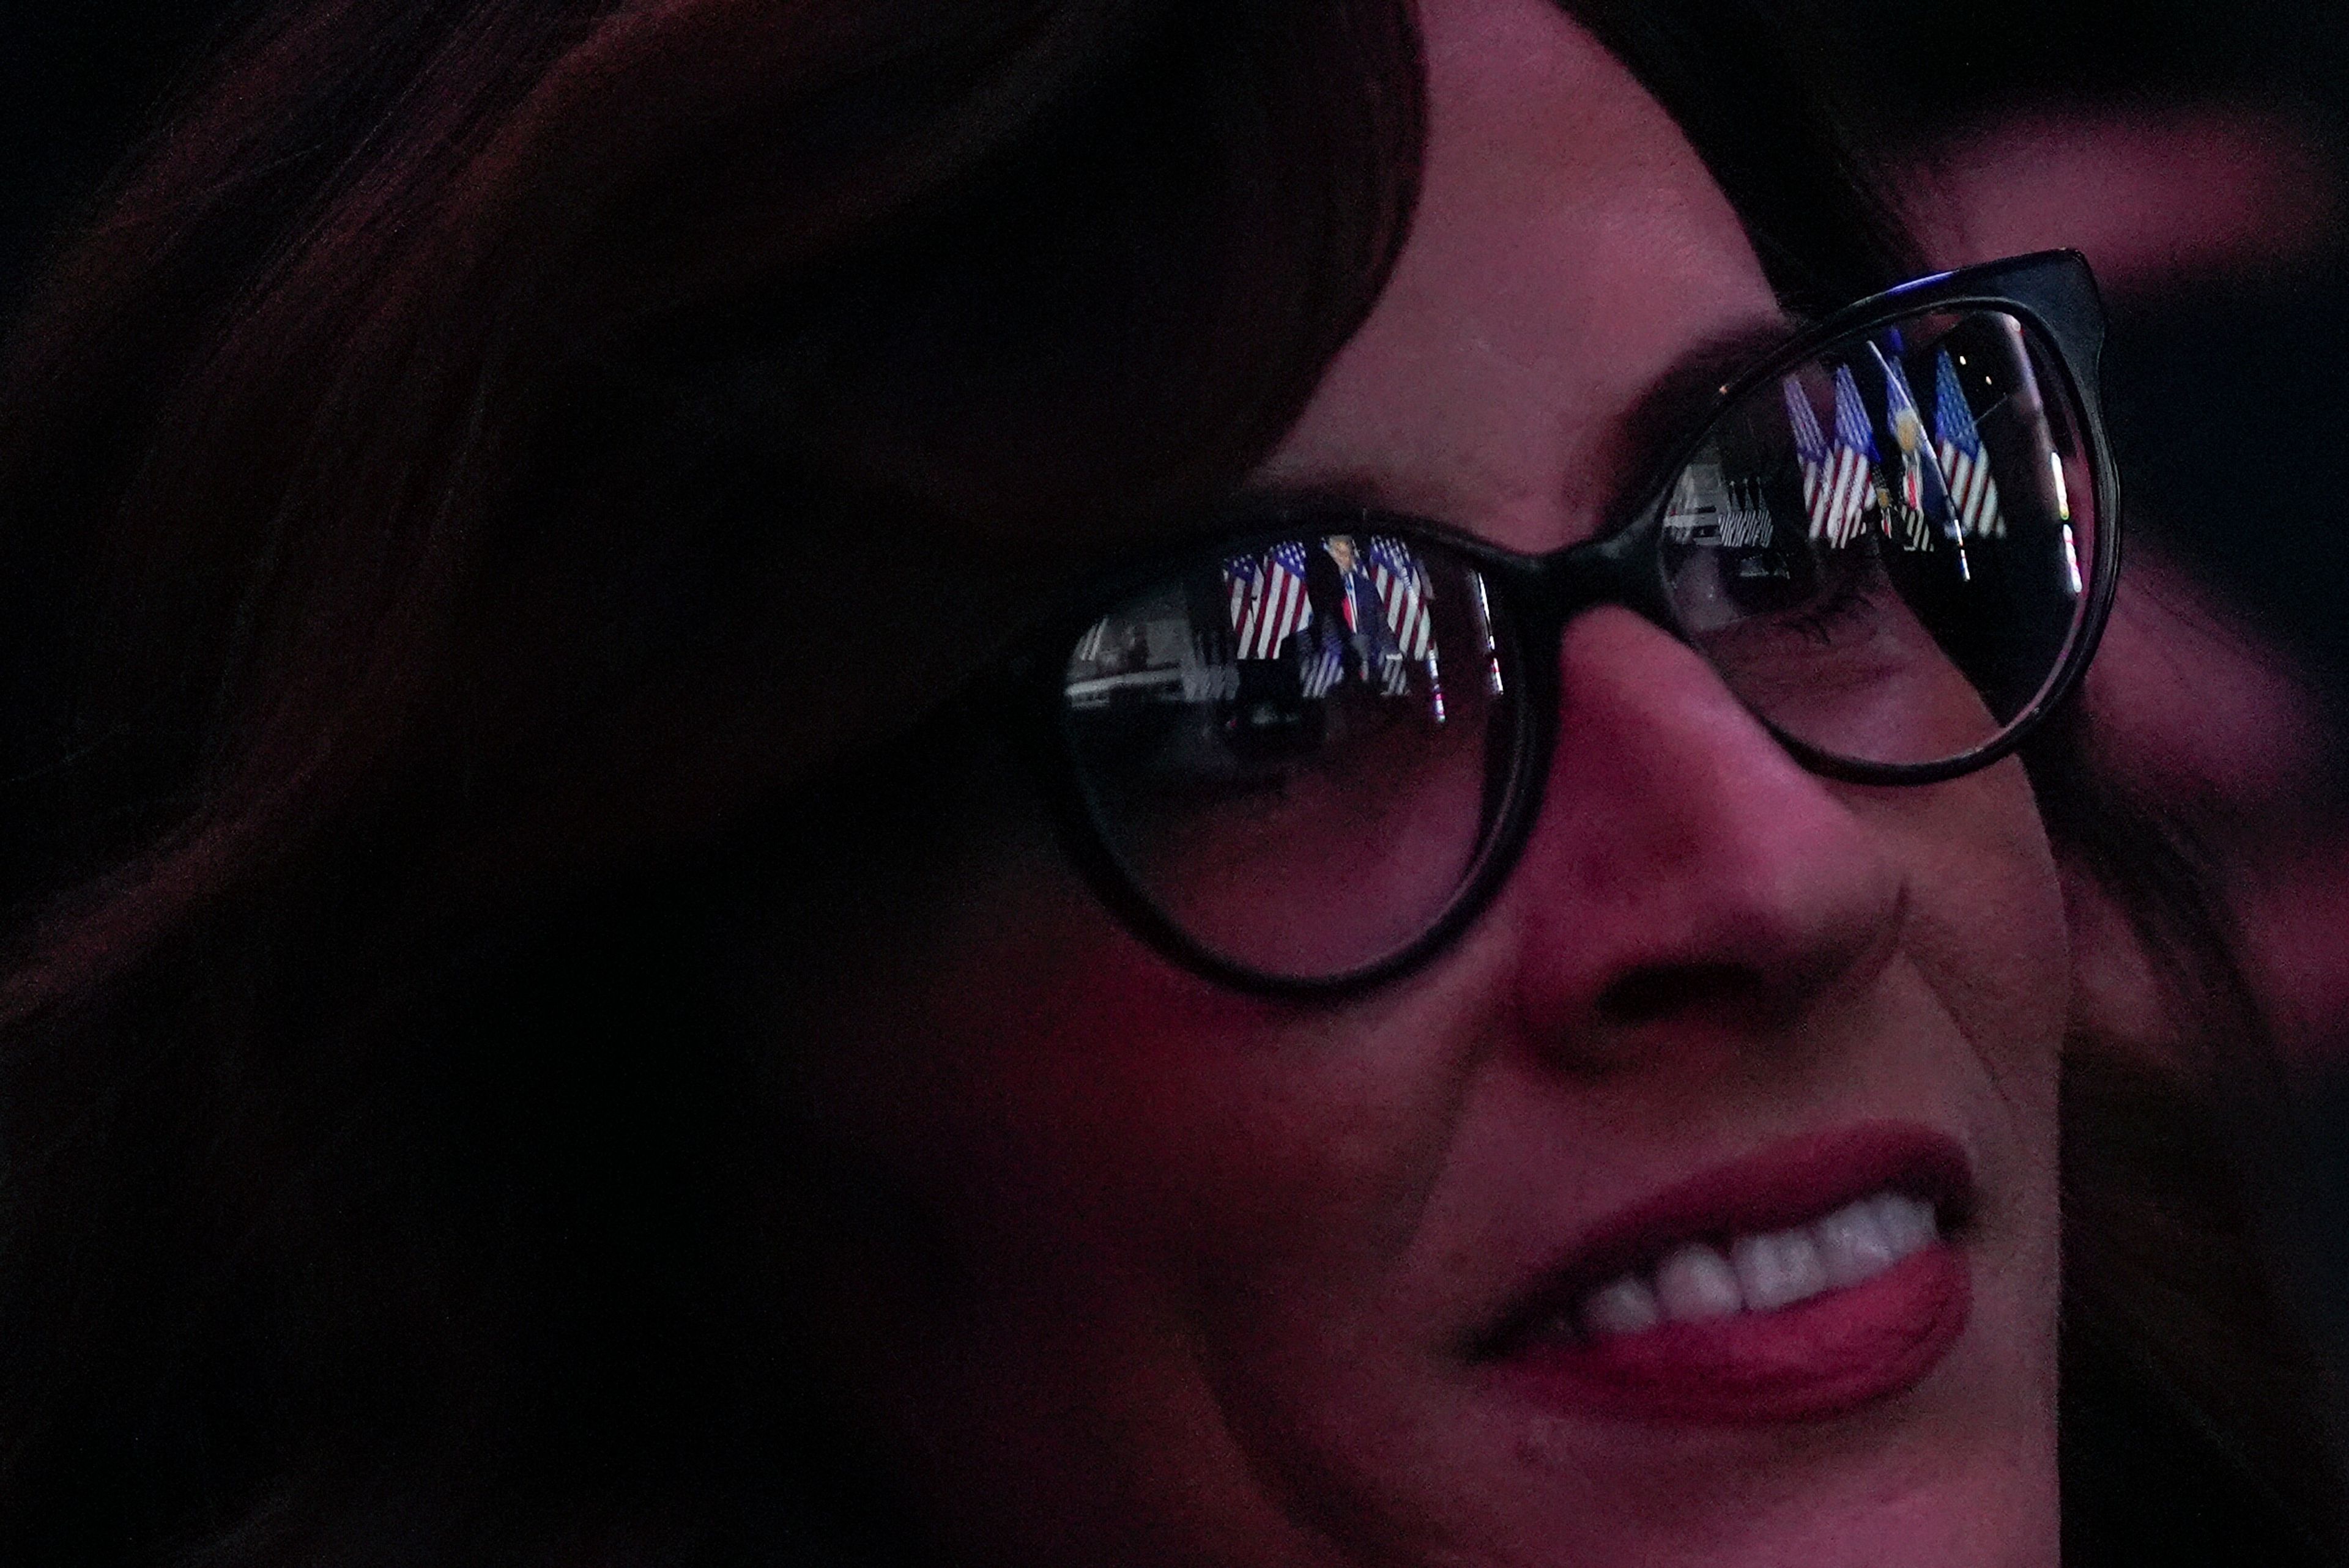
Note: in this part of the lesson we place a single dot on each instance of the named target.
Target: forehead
(1568, 250)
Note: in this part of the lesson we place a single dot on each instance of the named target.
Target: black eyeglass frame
(2052, 292)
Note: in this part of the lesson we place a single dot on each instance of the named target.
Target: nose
(1684, 867)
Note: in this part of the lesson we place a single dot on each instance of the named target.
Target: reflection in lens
(1289, 749)
(1883, 554)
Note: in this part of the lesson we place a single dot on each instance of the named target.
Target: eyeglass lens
(1884, 552)
(1298, 752)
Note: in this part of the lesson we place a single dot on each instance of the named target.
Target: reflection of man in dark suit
(1346, 606)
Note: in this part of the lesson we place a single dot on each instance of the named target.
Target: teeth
(1777, 1270)
(1853, 1244)
(1695, 1283)
(1907, 1223)
(1625, 1305)
(1764, 1271)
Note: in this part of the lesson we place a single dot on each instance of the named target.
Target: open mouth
(1813, 1278)
(1758, 1271)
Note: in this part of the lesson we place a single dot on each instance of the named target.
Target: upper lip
(1778, 1187)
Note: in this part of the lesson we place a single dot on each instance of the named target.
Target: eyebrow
(1658, 419)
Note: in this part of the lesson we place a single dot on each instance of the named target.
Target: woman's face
(1205, 1278)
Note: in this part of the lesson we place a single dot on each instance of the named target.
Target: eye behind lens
(1287, 748)
(1885, 552)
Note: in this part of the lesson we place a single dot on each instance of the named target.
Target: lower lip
(1833, 1354)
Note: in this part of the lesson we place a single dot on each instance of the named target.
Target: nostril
(1661, 991)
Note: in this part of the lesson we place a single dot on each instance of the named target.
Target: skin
(1148, 1272)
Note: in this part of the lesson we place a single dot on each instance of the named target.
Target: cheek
(1988, 932)
(1065, 1102)
(2004, 893)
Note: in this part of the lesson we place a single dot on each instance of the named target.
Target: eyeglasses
(1302, 758)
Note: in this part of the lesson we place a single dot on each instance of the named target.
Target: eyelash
(1847, 604)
